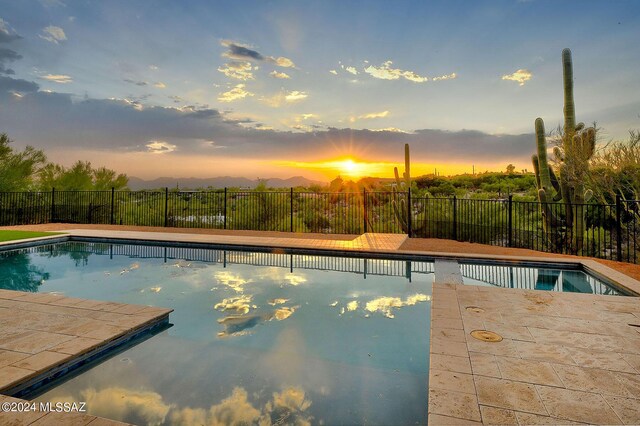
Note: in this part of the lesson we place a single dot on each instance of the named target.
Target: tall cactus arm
(556, 185)
(569, 106)
(543, 164)
(536, 170)
(407, 165)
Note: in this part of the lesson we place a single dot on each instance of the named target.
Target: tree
(510, 169)
(18, 169)
(80, 177)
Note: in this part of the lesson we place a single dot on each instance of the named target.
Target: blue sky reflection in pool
(251, 342)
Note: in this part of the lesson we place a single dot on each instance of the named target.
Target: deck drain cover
(486, 336)
(475, 309)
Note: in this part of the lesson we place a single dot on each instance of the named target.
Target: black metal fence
(609, 231)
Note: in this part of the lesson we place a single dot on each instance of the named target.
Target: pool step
(447, 271)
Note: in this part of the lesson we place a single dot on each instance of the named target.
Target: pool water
(532, 278)
(257, 338)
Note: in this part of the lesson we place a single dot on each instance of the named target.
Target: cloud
(385, 72)
(137, 83)
(374, 115)
(234, 94)
(54, 120)
(7, 55)
(244, 52)
(284, 97)
(521, 76)
(351, 70)
(334, 72)
(7, 33)
(160, 85)
(52, 3)
(57, 78)
(160, 147)
(119, 403)
(451, 76)
(238, 70)
(276, 74)
(386, 305)
(53, 34)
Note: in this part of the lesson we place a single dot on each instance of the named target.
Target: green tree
(18, 169)
(80, 177)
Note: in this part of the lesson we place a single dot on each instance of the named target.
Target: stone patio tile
(437, 419)
(446, 346)
(444, 313)
(66, 419)
(9, 357)
(626, 408)
(600, 359)
(129, 309)
(449, 380)
(42, 360)
(632, 359)
(503, 348)
(497, 416)
(104, 331)
(20, 419)
(450, 363)
(631, 382)
(522, 370)
(508, 394)
(543, 352)
(534, 419)
(590, 380)
(11, 374)
(577, 406)
(35, 341)
(484, 364)
(454, 404)
(579, 340)
(509, 331)
(449, 334)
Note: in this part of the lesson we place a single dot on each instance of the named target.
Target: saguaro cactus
(577, 147)
(399, 201)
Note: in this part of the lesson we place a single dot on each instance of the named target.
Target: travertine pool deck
(564, 358)
(45, 333)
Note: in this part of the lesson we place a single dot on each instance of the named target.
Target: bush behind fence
(612, 231)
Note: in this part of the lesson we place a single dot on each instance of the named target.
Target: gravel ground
(413, 244)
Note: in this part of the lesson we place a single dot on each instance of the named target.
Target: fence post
(291, 204)
(409, 215)
(618, 228)
(510, 222)
(113, 191)
(455, 218)
(364, 206)
(225, 208)
(53, 204)
(166, 206)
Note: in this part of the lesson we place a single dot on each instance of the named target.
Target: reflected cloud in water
(385, 305)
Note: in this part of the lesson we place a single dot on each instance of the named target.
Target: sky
(267, 89)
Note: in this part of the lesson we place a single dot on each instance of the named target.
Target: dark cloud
(53, 119)
(137, 83)
(7, 55)
(6, 37)
(8, 84)
(238, 51)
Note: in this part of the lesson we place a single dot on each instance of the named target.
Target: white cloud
(57, 78)
(374, 115)
(276, 74)
(153, 67)
(234, 94)
(521, 76)
(451, 76)
(283, 62)
(385, 72)
(334, 72)
(52, 3)
(160, 85)
(53, 34)
(160, 147)
(351, 70)
(120, 403)
(284, 98)
(238, 70)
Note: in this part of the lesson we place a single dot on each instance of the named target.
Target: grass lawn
(19, 235)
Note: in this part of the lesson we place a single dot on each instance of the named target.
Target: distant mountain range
(218, 182)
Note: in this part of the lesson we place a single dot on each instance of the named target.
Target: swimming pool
(257, 337)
